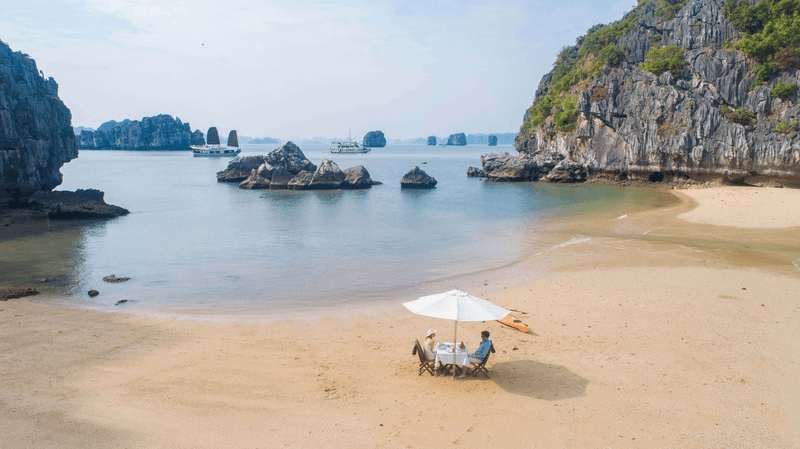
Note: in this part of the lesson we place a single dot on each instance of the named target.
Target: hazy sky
(302, 68)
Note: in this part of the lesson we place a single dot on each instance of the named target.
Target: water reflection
(48, 254)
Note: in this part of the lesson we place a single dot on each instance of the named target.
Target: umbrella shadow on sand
(538, 380)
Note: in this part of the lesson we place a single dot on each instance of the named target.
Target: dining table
(446, 357)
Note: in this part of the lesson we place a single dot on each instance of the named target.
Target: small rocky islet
(287, 168)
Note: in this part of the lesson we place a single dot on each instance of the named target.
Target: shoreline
(648, 330)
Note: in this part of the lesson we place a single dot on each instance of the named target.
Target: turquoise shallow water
(191, 244)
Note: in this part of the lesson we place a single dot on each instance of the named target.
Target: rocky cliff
(161, 132)
(674, 91)
(374, 139)
(36, 136)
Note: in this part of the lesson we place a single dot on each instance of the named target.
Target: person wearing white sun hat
(430, 345)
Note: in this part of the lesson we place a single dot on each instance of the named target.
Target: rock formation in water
(475, 172)
(161, 132)
(492, 141)
(36, 139)
(288, 168)
(459, 139)
(239, 168)
(374, 139)
(36, 136)
(417, 179)
(674, 91)
(289, 156)
(431, 140)
(357, 178)
(81, 204)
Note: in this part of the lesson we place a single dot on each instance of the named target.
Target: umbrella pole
(455, 348)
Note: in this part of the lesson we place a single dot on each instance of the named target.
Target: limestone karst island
(621, 272)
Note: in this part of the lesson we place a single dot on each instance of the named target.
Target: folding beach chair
(424, 364)
(481, 367)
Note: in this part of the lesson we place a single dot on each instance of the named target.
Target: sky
(293, 69)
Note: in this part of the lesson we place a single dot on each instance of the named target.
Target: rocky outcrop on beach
(36, 136)
(675, 100)
(459, 139)
(431, 140)
(374, 139)
(81, 204)
(547, 167)
(161, 132)
(18, 292)
(417, 179)
(492, 141)
(288, 168)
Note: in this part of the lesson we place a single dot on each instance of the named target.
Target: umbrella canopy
(456, 305)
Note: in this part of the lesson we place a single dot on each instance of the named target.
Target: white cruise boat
(214, 148)
(348, 147)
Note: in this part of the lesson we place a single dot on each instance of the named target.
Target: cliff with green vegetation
(679, 91)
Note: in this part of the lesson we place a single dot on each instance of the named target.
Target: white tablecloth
(444, 355)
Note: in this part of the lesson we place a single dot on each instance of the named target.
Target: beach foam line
(574, 241)
(622, 216)
(796, 263)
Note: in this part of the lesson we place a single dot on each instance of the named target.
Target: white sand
(744, 207)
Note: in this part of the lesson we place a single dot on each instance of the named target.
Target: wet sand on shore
(675, 327)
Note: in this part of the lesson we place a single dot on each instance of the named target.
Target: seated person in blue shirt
(480, 353)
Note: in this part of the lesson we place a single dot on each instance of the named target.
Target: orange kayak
(512, 321)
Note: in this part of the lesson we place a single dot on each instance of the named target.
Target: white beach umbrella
(458, 306)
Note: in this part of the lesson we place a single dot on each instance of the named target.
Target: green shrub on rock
(743, 117)
(764, 72)
(567, 118)
(770, 32)
(785, 127)
(659, 60)
(783, 91)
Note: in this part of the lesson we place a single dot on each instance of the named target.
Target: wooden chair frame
(424, 364)
(481, 367)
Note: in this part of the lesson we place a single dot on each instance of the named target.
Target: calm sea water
(191, 244)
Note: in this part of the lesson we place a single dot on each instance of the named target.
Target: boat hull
(215, 151)
(227, 154)
(359, 151)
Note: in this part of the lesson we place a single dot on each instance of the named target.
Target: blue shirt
(483, 349)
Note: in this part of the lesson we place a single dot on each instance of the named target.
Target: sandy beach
(671, 328)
